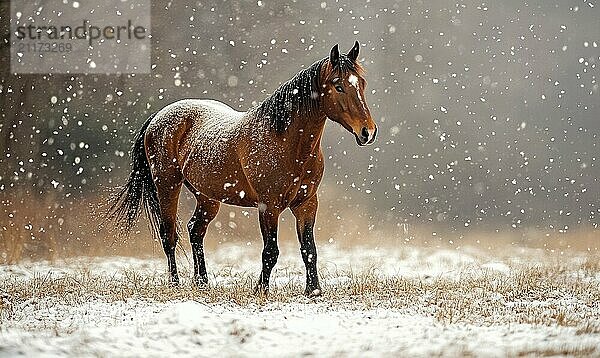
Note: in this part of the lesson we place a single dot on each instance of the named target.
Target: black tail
(139, 189)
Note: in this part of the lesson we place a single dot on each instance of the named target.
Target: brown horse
(269, 157)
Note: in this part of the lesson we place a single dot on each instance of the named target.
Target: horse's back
(202, 131)
(195, 112)
(193, 118)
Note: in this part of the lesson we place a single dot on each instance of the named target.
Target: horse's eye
(339, 88)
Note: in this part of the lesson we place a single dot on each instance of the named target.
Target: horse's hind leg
(205, 212)
(168, 190)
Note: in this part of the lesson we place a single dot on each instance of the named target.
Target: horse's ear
(353, 53)
(334, 56)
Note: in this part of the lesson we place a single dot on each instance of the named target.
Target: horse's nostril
(365, 132)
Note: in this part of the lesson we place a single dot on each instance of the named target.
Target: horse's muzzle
(366, 136)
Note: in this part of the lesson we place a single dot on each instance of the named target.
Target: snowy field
(410, 301)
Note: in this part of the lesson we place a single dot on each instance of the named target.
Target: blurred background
(488, 119)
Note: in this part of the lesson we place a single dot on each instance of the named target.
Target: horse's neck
(304, 135)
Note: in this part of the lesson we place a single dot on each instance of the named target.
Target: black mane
(300, 94)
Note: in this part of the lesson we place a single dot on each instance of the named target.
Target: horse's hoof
(313, 292)
(201, 285)
(173, 280)
(201, 282)
(261, 290)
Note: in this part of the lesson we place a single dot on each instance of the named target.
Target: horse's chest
(305, 178)
(309, 178)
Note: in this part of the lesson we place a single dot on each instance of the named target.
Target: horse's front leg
(305, 214)
(269, 218)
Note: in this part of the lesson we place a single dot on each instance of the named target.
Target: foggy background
(488, 120)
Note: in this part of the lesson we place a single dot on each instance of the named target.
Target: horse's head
(344, 95)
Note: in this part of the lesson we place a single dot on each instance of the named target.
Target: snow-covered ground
(379, 301)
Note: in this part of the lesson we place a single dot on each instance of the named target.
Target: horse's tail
(139, 190)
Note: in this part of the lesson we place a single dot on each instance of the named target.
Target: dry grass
(547, 295)
(560, 293)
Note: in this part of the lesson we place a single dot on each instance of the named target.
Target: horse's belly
(221, 180)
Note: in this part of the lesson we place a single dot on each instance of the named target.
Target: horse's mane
(300, 94)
